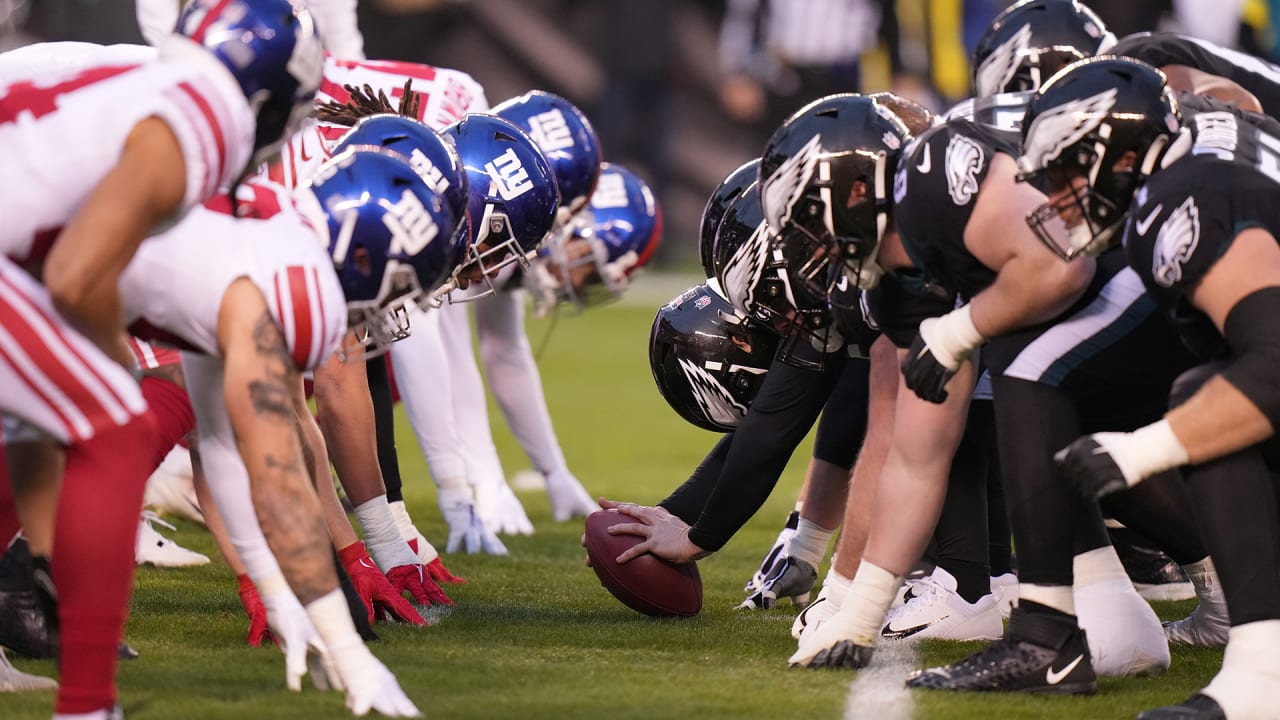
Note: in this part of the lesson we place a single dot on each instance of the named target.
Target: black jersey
(1257, 76)
(934, 192)
(1187, 214)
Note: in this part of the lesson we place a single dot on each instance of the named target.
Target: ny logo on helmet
(430, 174)
(510, 179)
(611, 192)
(411, 226)
(550, 131)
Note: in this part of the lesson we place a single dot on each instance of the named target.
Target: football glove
(502, 511)
(940, 348)
(297, 638)
(379, 597)
(1090, 468)
(788, 532)
(441, 574)
(833, 644)
(369, 684)
(568, 498)
(253, 607)
(467, 531)
(789, 577)
(414, 580)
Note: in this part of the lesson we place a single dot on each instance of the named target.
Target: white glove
(297, 637)
(370, 685)
(779, 546)
(466, 530)
(842, 640)
(568, 498)
(505, 514)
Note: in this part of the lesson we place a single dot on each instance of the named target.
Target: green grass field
(534, 635)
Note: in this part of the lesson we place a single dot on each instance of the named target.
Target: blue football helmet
(428, 152)
(613, 238)
(513, 197)
(272, 50)
(564, 135)
(387, 232)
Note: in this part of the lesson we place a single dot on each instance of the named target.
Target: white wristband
(952, 337)
(378, 522)
(1145, 451)
(331, 617)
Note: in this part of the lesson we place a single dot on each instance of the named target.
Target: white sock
(1246, 685)
(1098, 566)
(869, 597)
(809, 543)
(1058, 597)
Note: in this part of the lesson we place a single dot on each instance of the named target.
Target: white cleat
(936, 610)
(171, 490)
(14, 680)
(158, 550)
(1005, 588)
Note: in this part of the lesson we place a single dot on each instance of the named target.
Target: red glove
(258, 631)
(374, 588)
(436, 568)
(441, 574)
(420, 586)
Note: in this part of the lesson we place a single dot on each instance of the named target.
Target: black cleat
(25, 624)
(1043, 651)
(1196, 707)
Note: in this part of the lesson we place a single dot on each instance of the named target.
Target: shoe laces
(152, 519)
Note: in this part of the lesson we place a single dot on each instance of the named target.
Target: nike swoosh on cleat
(890, 632)
(1054, 677)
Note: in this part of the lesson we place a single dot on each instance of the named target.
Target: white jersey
(173, 288)
(62, 130)
(54, 378)
(447, 95)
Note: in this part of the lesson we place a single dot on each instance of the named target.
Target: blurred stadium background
(685, 90)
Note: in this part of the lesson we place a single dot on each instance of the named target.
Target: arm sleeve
(781, 415)
(336, 23)
(1257, 76)
(157, 18)
(686, 502)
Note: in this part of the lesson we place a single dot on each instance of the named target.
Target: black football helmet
(760, 272)
(1098, 128)
(708, 360)
(732, 186)
(826, 181)
(1033, 39)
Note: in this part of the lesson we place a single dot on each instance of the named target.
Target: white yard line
(880, 692)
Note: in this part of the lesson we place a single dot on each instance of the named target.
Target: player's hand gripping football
(665, 535)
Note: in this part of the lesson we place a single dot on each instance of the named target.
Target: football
(647, 584)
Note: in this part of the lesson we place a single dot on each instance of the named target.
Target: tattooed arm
(258, 382)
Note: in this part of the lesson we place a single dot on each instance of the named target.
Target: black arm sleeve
(781, 415)
(686, 502)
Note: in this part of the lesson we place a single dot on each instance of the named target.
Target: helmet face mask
(1091, 137)
(512, 203)
(707, 360)
(386, 231)
(753, 268)
(826, 183)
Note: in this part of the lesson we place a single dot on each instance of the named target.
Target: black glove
(1090, 468)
